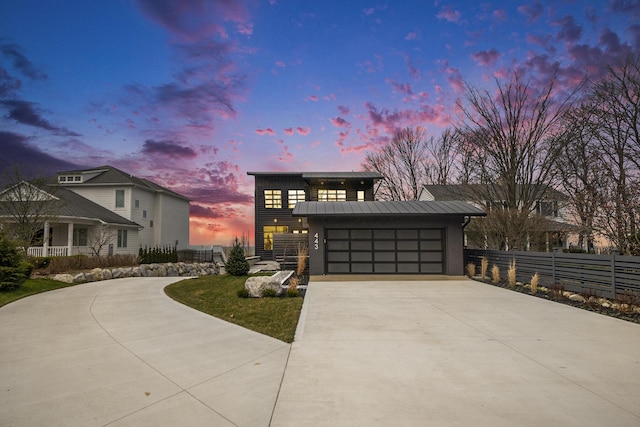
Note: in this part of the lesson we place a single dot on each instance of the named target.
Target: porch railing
(38, 251)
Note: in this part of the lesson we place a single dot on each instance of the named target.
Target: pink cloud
(288, 131)
(404, 88)
(486, 57)
(339, 122)
(313, 98)
(532, 11)
(344, 110)
(267, 131)
(303, 131)
(500, 14)
(281, 64)
(448, 14)
(411, 35)
(245, 28)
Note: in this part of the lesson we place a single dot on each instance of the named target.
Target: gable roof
(108, 175)
(387, 208)
(73, 205)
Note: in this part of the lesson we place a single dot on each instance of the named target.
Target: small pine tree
(13, 270)
(237, 264)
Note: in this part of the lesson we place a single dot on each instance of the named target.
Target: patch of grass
(218, 296)
(31, 287)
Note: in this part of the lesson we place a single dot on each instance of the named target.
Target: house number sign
(316, 241)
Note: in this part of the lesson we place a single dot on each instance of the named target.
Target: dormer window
(69, 178)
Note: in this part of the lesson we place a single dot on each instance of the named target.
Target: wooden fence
(609, 276)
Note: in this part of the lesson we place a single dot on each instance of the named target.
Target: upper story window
(547, 208)
(273, 199)
(361, 195)
(69, 178)
(119, 198)
(136, 203)
(295, 196)
(325, 195)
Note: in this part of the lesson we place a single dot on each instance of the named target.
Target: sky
(193, 94)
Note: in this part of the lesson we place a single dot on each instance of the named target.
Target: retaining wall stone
(178, 269)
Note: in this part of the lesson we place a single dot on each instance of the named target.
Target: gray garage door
(371, 250)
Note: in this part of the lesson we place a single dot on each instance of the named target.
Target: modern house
(349, 232)
(102, 210)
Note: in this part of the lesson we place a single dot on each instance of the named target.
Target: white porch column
(70, 239)
(45, 240)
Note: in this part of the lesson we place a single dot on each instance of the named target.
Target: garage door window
(403, 251)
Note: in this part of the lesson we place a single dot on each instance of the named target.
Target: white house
(108, 211)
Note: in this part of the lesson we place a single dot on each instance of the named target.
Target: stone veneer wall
(144, 270)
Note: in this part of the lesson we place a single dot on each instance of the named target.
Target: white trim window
(122, 238)
(119, 198)
(294, 197)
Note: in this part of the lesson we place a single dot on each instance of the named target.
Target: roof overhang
(386, 209)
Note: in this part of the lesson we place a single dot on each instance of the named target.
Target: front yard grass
(31, 287)
(218, 296)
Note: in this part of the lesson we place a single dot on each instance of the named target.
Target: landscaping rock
(79, 278)
(66, 278)
(577, 297)
(256, 286)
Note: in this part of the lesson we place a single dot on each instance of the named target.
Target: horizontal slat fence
(285, 250)
(610, 276)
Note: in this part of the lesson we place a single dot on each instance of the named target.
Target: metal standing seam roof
(323, 175)
(387, 208)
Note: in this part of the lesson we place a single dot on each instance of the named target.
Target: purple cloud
(486, 57)
(23, 112)
(267, 131)
(569, 30)
(167, 148)
(20, 61)
(447, 13)
(532, 11)
(197, 19)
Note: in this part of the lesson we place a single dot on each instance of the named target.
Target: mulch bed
(632, 314)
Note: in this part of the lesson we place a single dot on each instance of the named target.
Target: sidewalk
(455, 353)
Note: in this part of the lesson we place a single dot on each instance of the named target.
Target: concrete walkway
(121, 353)
(455, 353)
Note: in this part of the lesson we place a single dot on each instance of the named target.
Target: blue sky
(194, 93)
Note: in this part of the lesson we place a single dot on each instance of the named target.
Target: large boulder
(256, 285)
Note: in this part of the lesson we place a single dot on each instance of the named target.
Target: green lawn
(218, 296)
(31, 287)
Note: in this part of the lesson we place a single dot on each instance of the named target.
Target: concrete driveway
(121, 353)
(455, 353)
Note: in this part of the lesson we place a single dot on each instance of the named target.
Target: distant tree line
(516, 144)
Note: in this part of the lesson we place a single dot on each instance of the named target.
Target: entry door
(385, 251)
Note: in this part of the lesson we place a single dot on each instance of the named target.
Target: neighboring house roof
(321, 175)
(386, 208)
(472, 192)
(74, 205)
(108, 175)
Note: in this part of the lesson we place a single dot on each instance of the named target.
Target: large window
(273, 199)
(295, 196)
(79, 237)
(361, 195)
(325, 195)
(119, 198)
(122, 238)
(269, 230)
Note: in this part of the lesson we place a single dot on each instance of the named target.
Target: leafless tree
(510, 141)
(580, 171)
(26, 206)
(443, 151)
(518, 135)
(403, 162)
(615, 103)
(99, 238)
